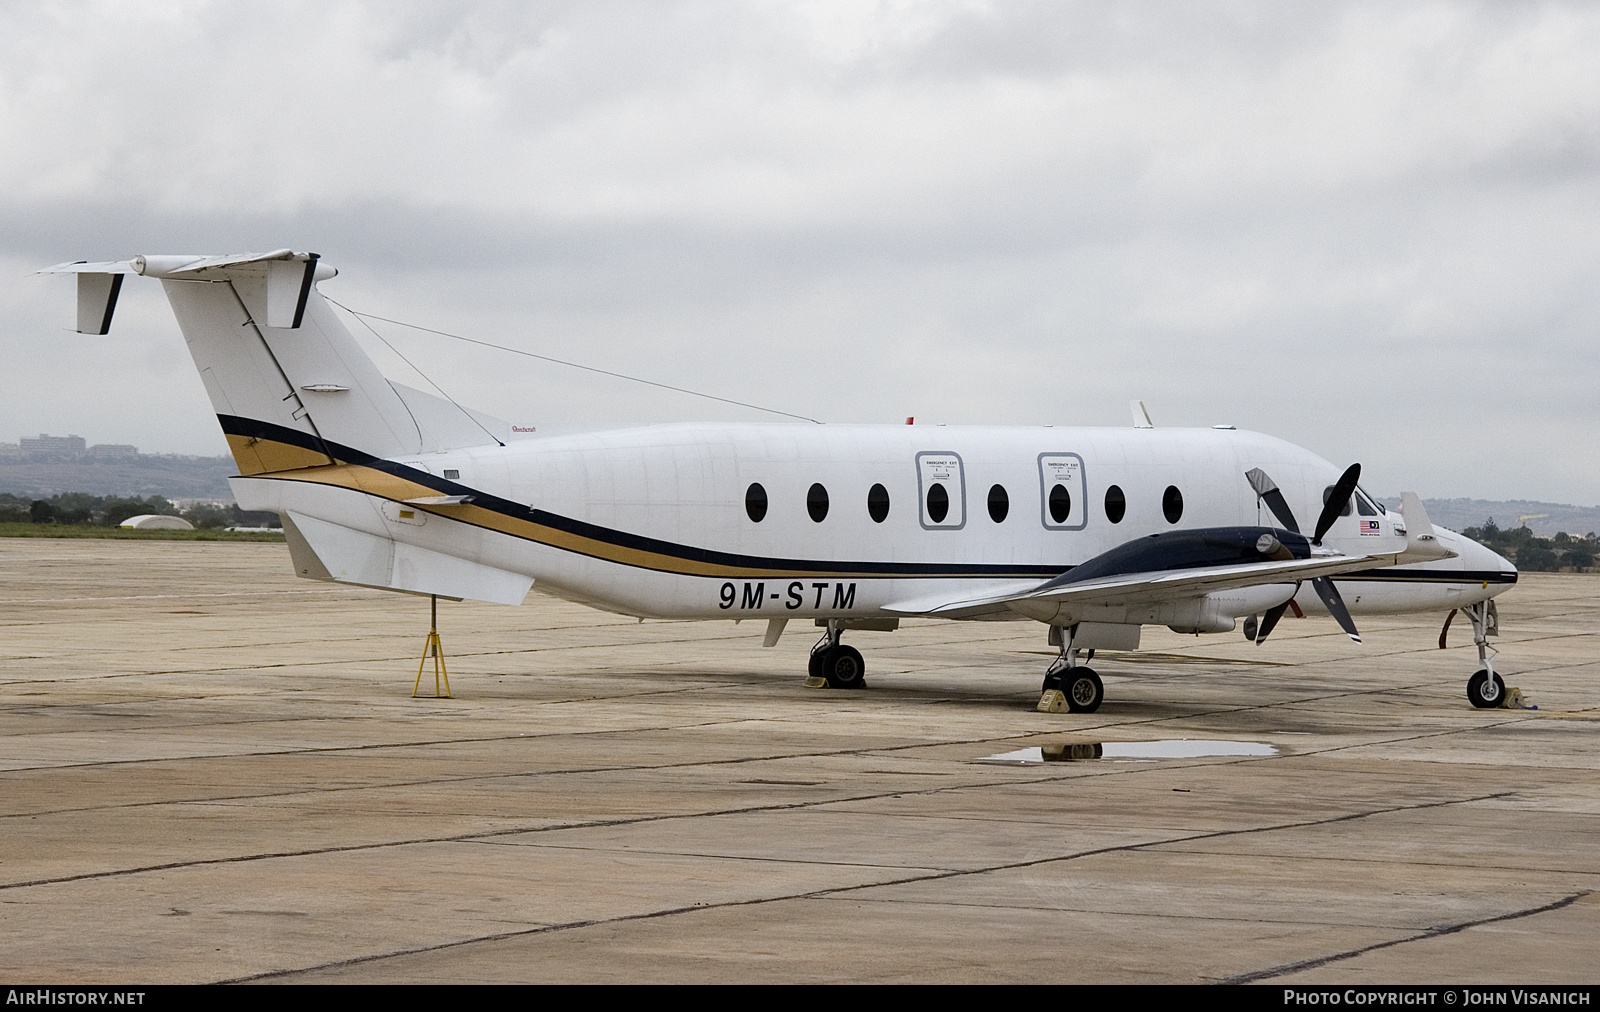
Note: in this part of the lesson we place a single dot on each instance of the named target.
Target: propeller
(1338, 500)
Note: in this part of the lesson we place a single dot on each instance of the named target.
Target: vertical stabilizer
(289, 383)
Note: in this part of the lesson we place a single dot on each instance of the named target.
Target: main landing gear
(839, 666)
(1485, 689)
(1080, 686)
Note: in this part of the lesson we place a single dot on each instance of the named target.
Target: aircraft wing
(1152, 587)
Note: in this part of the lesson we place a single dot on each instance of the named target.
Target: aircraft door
(941, 491)
(1063, 493)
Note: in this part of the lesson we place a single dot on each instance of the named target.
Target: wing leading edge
(1177, 566)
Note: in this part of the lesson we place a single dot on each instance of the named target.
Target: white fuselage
(668, 507)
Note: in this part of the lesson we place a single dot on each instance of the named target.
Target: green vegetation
(84, 510)
(1535, 554)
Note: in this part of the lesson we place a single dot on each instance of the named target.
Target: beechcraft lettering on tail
(1094, 532)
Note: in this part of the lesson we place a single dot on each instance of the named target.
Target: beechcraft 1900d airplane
(1093, 531)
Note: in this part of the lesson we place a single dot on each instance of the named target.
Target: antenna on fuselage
(1141, 416)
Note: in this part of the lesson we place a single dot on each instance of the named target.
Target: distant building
(113, 450)
(52, 444)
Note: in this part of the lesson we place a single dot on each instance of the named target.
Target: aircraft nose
(1476, 558)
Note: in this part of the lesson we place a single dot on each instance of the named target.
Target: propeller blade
(1338, 499)
(1269, 620)
(1267, 489)
(1335, 605)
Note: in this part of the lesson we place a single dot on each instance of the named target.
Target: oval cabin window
(755, 502)
(1060, 504)
(938, 503)
(1116, 504)
(878, 503)
(1172, 504)
(999, 503)
(817, 502)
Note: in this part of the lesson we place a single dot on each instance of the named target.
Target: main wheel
(843, 668)
(1485, 690)
(814, 665)
(1083, 689)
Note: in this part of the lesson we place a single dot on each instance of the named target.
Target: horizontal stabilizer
(326, 551)
(289, 277)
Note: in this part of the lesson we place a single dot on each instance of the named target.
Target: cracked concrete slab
(213, 771)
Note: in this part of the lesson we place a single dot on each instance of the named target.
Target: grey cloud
(1359, 227)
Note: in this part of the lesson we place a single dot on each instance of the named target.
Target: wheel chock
(814, 682)
(1515, 700)
(1052, 701)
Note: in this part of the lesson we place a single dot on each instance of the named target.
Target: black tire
(1084, 691)
(1484, 693)
(814, 665)
(844, 668)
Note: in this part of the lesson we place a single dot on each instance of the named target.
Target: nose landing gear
(1485, 689)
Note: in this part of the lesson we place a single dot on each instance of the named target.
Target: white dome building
(157, 522)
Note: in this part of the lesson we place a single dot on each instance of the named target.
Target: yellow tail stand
(433, 649)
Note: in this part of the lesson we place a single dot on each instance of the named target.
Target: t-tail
(289, 384)
(294, 391)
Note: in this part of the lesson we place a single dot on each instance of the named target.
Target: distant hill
(175, 477)
(1458, 513)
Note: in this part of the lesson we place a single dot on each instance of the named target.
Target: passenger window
(817, 502)
(942, 491)
(1116, 504)
(1060, 504)
(1063, 492)
(878, 503)
(999, 504)
(1364, 505)
(1172, 504)
(755, 502)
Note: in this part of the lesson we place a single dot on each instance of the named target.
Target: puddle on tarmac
(1169, 748)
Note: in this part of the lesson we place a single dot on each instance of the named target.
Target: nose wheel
(1486, 690)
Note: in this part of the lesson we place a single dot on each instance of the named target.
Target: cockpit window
(1327, 494)
(1364, 504)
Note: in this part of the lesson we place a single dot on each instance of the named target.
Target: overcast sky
(1371, 229)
